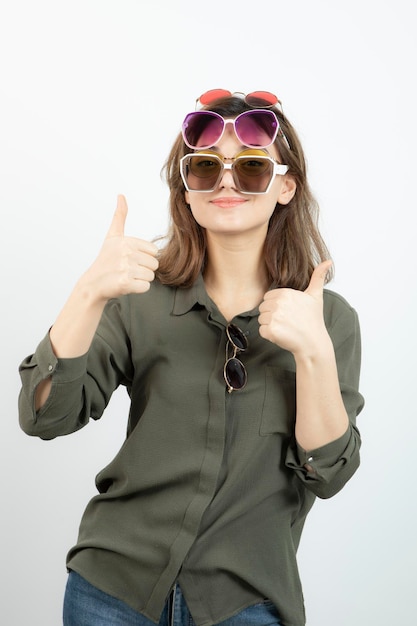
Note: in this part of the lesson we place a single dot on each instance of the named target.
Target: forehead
(229, 145)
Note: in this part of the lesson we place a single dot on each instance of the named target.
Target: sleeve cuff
(325, 470)
(325, 456)
(62, 370)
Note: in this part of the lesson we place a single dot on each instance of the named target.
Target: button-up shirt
(210, 489)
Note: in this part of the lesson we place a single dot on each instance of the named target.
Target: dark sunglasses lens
(236, 336)
(202, 129)
(256, 129)
(235, 374)
(253, 174)
(202, 172)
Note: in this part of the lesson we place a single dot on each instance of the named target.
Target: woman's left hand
(293, 319)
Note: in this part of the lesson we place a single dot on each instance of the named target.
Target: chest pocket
(278, 411)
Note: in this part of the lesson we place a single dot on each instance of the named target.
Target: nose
(227, 180)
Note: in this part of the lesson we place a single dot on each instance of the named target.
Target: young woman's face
(228, 211)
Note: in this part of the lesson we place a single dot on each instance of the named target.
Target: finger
(142, 273)
(266, 305)
(264, 318)
(272, 294)
(318, 278)
(146, 256)
(117, 226)
(147, 247)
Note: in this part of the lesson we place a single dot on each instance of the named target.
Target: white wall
(92, 93)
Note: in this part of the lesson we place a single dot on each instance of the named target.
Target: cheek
(273, 197)
(272, 210)
(195, 209)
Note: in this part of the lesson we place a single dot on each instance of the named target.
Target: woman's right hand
(124, 264)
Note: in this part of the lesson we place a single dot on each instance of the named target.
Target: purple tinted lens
(256, 129)
(202, 129)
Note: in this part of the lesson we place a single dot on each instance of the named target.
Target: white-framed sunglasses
(253, 171)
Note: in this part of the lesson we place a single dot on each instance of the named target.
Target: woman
(242, 372)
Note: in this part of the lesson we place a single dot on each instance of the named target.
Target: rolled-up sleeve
(55, 417)
(81, 387)
(325, 470)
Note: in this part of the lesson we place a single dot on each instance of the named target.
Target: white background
(92, 94)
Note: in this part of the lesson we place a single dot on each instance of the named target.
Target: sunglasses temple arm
(282, 135)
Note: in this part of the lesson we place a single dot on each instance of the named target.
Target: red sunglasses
(256, 99)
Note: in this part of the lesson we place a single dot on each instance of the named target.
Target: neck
(235, 277)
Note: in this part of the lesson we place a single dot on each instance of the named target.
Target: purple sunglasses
(257, 128)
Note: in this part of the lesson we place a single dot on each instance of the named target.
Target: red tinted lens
(256, 128)
(213, 94)
(257, 98)
(202, 129)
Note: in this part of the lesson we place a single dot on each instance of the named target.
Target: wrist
(87, 291)
(321, 351)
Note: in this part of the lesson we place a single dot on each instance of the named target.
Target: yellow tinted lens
(204, 166)
(253, 166)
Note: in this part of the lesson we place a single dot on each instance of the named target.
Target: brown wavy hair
(293, 244)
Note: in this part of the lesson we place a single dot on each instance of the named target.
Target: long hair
(293, 244)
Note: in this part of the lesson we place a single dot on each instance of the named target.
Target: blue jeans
(85, 605)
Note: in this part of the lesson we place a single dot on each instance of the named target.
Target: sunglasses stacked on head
(253, 170)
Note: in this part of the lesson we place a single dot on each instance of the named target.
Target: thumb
(318, 278)
(117, 226)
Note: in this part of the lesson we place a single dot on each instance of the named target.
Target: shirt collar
(186, 299)
(196, 295)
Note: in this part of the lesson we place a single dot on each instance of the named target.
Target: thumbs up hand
(124, 264)
(293, 319)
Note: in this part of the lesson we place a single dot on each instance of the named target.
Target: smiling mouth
(228, 202)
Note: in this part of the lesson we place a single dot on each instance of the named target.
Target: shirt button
(50, 367)
(310, 458)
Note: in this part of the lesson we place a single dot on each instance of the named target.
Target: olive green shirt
(209, 488)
